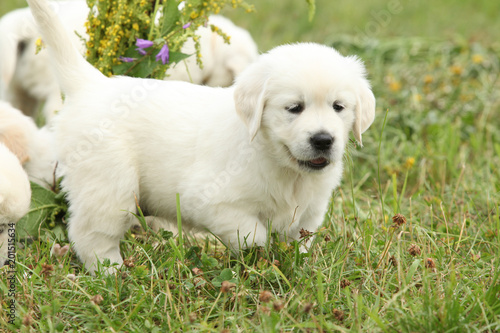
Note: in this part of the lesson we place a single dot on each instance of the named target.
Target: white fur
(26, 80)
(123, 137)
(15, 196)
(34, 147)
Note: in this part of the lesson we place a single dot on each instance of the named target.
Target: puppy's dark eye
(295, 108)
(338, 107)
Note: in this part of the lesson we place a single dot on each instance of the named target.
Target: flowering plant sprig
(112, 25)
(143, 38)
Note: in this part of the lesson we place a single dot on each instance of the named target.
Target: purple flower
(143, 43)
(141, 51)
(163, 54)
(187, 25)
(127, 59)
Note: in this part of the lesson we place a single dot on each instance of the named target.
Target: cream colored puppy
(222, 62)
(26, 80)
(15, 196)
(34, 147)
(262, 155)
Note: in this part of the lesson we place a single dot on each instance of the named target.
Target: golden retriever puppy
(26, 79)
(222, 62)
(262, 155)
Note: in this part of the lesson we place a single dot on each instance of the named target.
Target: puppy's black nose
(321, 141)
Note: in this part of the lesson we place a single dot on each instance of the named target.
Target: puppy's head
(304, 99)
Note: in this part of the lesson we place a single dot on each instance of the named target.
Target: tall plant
(142, 38)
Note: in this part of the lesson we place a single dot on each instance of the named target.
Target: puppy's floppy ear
(365, 110)
(250, 98)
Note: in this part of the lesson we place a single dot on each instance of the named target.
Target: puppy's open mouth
(316, 164)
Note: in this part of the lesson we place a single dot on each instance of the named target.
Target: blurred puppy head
(16, 131)
(306, 113)
(33, 147)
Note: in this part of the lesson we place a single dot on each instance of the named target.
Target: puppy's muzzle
(321, 143)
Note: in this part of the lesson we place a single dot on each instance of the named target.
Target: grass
(432, 155)
(286, 21)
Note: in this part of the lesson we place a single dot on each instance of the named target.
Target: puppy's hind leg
(99, 217)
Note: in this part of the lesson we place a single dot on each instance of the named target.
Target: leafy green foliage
(45, 213)
(171, 15)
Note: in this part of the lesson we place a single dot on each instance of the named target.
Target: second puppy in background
(26, 78)
(222, 62)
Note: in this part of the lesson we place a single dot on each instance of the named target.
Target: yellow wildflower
(410, 161)
(395, 86)
(428, 79)
(39, 45)
(466, 97)
(457, 69)
(477, 59)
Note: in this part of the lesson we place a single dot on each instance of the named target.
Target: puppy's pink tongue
(318, 161)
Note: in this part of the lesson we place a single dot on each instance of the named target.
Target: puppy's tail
(71, 69)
